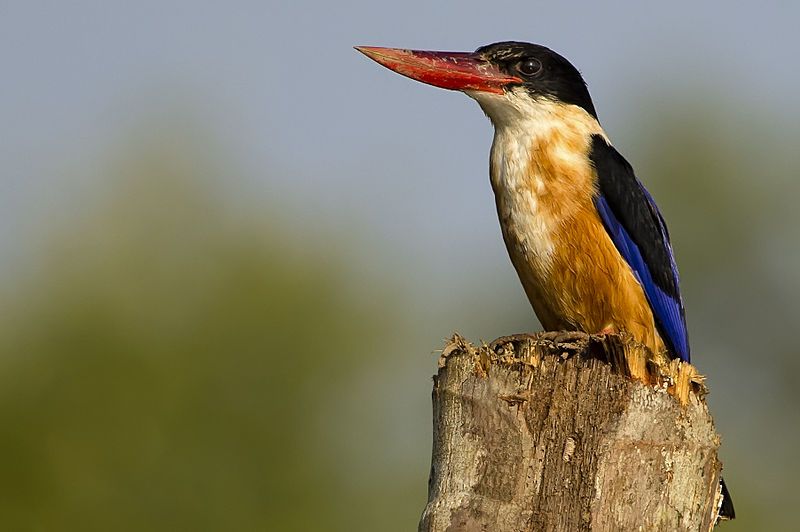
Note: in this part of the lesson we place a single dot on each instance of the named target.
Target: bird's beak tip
(374, 52)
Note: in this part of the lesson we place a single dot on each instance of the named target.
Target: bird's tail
(726, 510)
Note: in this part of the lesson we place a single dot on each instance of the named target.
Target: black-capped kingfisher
(586, 238)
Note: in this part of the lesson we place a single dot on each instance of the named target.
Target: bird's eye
(529, 66)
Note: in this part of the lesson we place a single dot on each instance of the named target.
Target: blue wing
(636, 227)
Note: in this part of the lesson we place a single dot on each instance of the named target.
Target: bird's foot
(564, 337)
(497, 346)
(573, 340)
(567, 341)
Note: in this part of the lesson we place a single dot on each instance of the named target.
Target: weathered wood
(545, 434)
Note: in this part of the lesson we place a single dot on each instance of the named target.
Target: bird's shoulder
(635, 210)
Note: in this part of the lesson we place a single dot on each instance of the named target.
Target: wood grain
(552, 433)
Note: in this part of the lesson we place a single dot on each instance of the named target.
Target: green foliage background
(168, 366)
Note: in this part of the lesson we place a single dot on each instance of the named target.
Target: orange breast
(571, 271)
(591, 288)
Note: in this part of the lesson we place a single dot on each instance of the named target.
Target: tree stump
(568, 432)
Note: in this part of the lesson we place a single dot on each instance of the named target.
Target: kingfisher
(586, 238)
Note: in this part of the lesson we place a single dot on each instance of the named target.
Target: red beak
(458, 71)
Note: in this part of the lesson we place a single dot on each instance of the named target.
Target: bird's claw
(497, 346)
(564, 337)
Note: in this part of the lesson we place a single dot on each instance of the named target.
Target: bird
(586, 238)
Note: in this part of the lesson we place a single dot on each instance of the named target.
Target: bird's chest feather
(572, 273)
(544, 187)
(541, 183)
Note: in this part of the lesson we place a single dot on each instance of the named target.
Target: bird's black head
(543, 72)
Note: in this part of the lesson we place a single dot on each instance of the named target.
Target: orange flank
(592, 287)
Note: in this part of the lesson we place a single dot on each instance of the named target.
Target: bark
(570, 432)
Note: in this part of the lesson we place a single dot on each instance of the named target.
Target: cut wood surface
(569, 432)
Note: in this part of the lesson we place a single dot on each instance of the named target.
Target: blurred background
(230, 246)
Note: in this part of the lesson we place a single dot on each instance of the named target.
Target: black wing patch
(639, 233)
